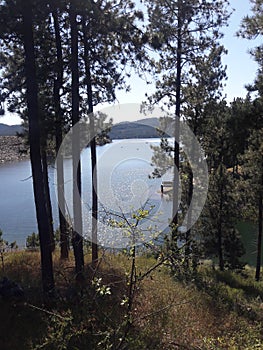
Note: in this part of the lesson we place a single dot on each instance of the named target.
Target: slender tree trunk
(219, 229)
(189, 199)
(35, 148)
(77, 239)
(48, 198)
(58, 83)
(92, 147)
(259, 241)
(189, 218)
(177, 118)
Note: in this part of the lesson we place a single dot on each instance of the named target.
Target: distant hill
(10, 130)
(145, 128)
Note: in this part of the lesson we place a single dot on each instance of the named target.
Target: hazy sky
(241, 67)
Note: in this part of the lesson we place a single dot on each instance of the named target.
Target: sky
(241, 69)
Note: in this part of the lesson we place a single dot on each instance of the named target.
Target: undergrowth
(217, 310)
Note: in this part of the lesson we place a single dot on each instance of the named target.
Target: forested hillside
(10, 130)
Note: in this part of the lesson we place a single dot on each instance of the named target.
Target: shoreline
(12, 149)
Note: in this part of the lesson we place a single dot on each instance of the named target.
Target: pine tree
(35, 148)
(58, 85)
(77, 239)
(186, 31)
(252, 172)
(110, 41)
(113, 42)
(202, 76)
(251, 28)
(217, 225)
(218, 221)
(199, 95)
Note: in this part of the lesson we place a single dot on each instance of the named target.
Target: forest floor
(12, 149)
(216, 310)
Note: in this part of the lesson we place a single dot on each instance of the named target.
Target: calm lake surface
(124, 166)
(127, 161)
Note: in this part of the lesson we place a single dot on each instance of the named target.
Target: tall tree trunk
(92, 147)
(48, 198)
(58, 83)
(219, 227)
(177, 118)
(35, 148)
(189, 200)
(189, 218)
(77, 239)
(259, 241)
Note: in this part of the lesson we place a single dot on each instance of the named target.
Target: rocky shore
(12, 149)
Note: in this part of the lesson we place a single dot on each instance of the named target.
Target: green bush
(32, 241)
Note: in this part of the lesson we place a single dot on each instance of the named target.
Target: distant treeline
(146, 128)
(10, 130)
(125, 130)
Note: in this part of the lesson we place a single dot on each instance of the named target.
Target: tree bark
(92, 147)
(177, 118)
(35, 148)
(47, 196)
(219, 229)
(77, 239)
(58, 83)
(189, 218)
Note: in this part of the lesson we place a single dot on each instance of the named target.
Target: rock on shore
(12, 149)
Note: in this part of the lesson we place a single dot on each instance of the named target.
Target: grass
(216, 311)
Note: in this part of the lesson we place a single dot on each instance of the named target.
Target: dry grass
(166, 314)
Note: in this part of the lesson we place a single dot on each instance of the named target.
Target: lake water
(123, 166)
